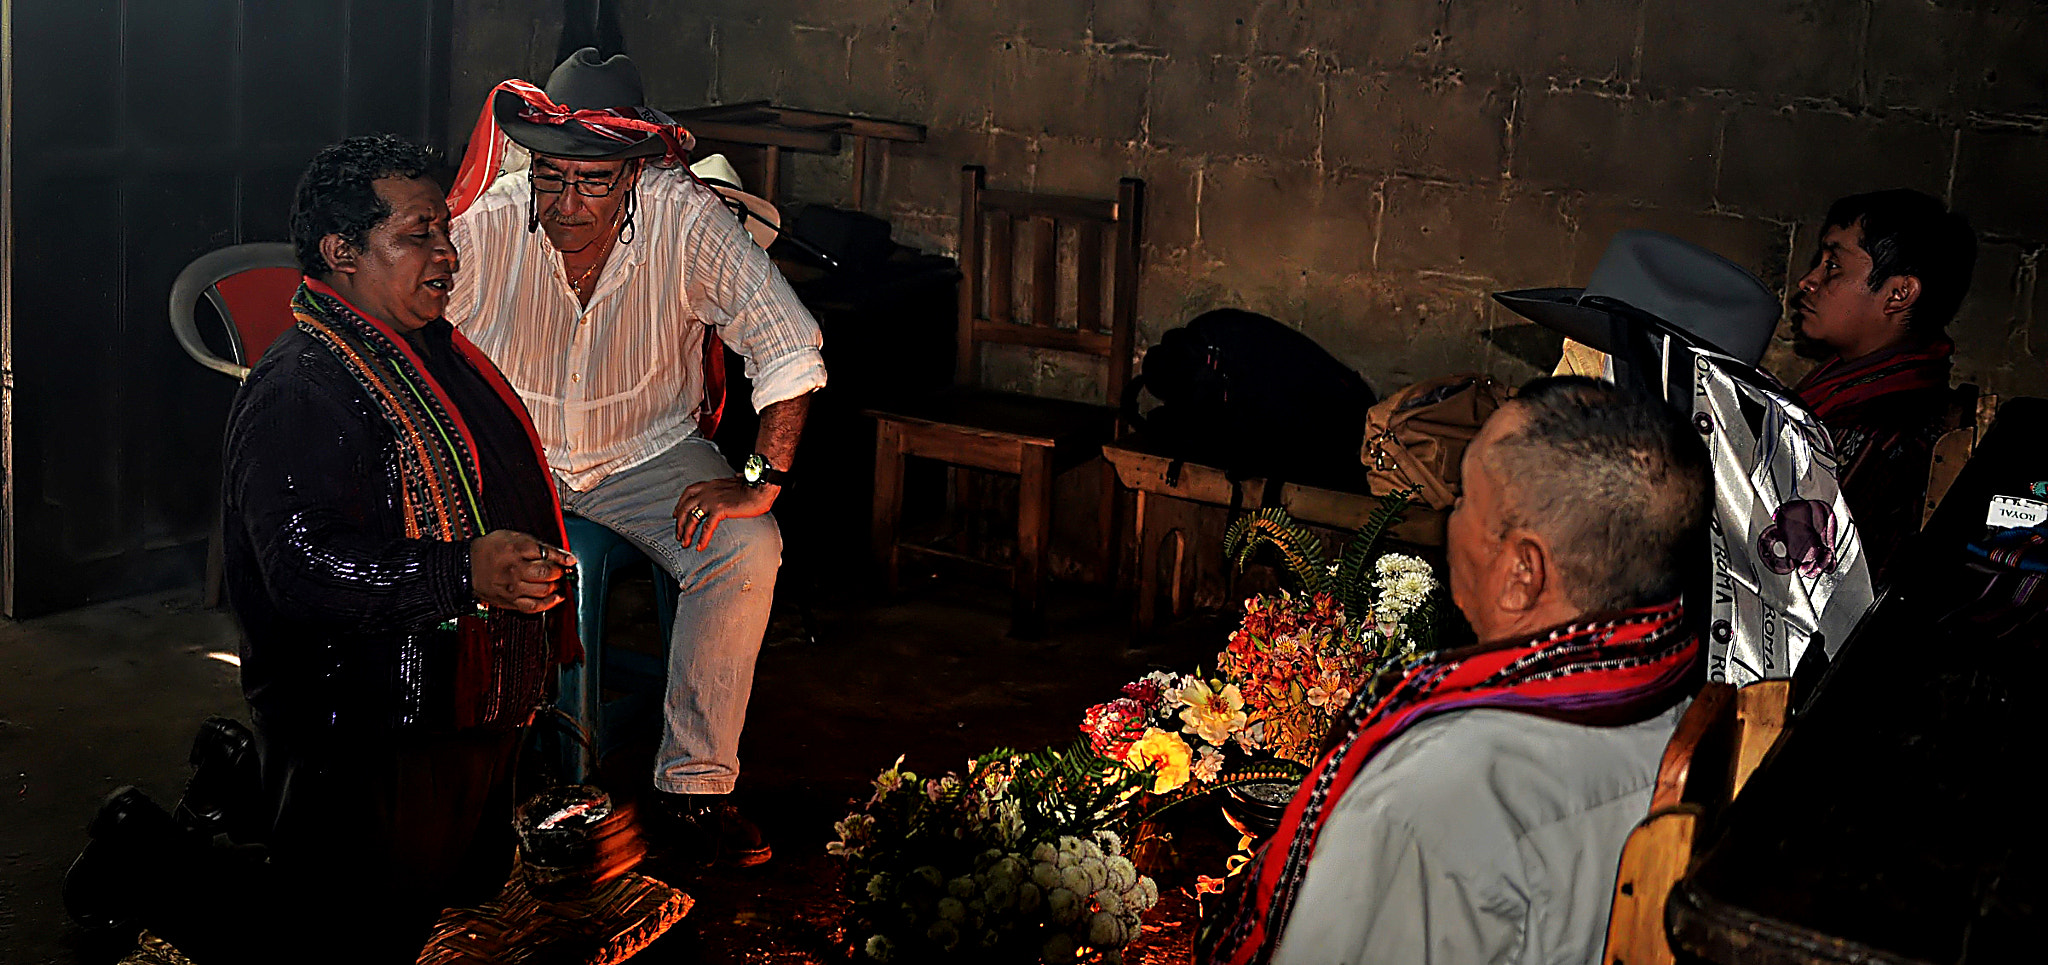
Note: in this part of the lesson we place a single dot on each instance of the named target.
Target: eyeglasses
(554, 184)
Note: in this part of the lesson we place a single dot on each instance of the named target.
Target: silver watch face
(754, 468)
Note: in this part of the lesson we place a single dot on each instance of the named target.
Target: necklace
(594, 264)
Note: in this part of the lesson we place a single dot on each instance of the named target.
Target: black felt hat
(1651, 273)
(584, 82)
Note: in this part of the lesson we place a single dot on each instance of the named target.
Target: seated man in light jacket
(1476, 810)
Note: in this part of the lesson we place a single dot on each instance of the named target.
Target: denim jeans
(721, 613)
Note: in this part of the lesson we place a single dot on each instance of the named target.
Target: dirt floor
(111, 694)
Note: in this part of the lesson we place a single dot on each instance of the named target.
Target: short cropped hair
(338, 195)
(1617, 484)
(1906, 232)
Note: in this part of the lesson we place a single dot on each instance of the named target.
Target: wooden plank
(812, 142)
(888, 510)
(1760, 710)
(1703, 730)
(1653, 859)
(1002, 262)
(1123, 321)
(850, 124)
(967, 361)
(1420, 525)
(1088, 280)
(1034, 540)
(1146, 472)
(771, 172)
(1060, 339)
(1025, 204)
(1951, 451)
(964, 447)
(1045, 273)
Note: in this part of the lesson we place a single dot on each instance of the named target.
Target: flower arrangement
(1294, 663)
(1015, 862)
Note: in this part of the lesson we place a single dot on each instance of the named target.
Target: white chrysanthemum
(944, 934)
(1097, 871)
(1063, 905)
(1109, 902)
(1000, 895)
(879, 947)
(962, 887)
(1045, 852)
(1106, 931)
(1028, 897)
(931, 875)
(1076, 880)
(878, 886)
(1058, 950)
(1109, 842)
(1147, 893)
(950, 909)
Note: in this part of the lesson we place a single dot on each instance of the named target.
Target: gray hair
(1618, 485)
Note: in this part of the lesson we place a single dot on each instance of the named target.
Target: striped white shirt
(615, 384)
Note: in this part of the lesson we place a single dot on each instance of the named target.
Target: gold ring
(698, 512)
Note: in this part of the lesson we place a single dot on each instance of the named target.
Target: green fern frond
(1300, 550)
(1353, 586)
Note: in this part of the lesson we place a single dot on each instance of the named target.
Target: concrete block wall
(1369, 170)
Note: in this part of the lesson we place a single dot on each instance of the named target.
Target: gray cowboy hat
(583, 82)
(1702, 294)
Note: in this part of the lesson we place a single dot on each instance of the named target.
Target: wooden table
(1895, 822)
(1150, 477)
(773, 129)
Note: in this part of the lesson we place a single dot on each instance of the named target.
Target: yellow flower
(1166, 751)
(1211, 714)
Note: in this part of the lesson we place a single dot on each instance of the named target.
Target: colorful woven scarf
(441, 487)
(1607, 672)
(1837, 389)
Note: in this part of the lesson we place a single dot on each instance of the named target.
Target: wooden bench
(1149, 476)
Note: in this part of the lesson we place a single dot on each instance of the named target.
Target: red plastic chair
(250, 286)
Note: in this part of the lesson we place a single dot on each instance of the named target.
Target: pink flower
(1113, 727)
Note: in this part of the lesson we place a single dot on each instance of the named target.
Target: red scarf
(1607, 672)
(485, 157)
(1837, 389)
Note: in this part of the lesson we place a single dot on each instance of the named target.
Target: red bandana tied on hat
(1606, 672)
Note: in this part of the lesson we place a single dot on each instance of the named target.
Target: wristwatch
(757, 472)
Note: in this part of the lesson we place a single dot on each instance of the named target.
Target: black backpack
(1246, 394)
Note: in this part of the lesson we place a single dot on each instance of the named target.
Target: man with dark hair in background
(1477, 810)
(1891, 270)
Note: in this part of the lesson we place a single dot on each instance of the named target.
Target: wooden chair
(1720, 741)
(1027, 436)
(1968, 417)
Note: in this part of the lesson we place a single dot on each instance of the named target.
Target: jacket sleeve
(307, 486)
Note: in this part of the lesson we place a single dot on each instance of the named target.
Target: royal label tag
(2009, 512)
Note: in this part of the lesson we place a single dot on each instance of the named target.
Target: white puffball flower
(1122, 873)
(1028, 897)
(1105, 931)
(1045, 853)
(879, 947)
(943, 934)
(1076, 880)
(950, 909)
(1045, 875)
(1010, 870)
(1110, 902)
(1063, 905)
(930, 875)
(1058, 950)
(1000, 895)
(878, 886)
(962, 887)
(1098, 873)
(1109, 842)
(1147, 893)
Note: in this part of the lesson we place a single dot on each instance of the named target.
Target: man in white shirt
(598, 279)
(1477, 809)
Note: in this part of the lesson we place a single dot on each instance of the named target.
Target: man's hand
(513, 571)
(715, 500)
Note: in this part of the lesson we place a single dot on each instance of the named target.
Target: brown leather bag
(1415, 438)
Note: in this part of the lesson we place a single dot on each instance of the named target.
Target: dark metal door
(142, 134)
